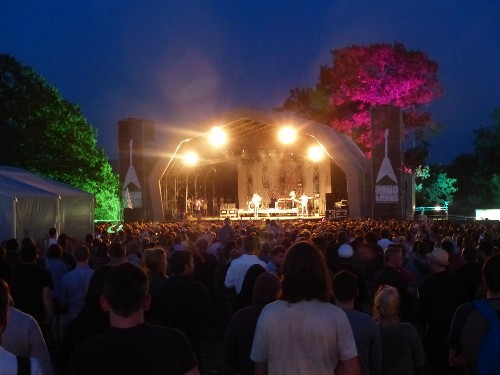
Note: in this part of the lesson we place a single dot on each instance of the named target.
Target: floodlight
(191, 158)
(315, 153)
(217, 137)
(437, 208)
(287, 135)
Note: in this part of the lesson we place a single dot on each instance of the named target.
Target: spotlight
(287, 135)
(315, 153)
(217, 137)
(191, 158)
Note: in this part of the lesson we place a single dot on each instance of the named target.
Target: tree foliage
(365, 76)
(433, 186)
(48, 135)
(478, 173)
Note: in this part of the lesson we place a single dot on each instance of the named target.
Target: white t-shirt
(308, 337)
(8, 364)
(238, 269)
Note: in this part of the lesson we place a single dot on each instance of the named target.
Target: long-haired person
(303, 333)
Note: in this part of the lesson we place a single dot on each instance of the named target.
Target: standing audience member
(240, 332)
(32, 289)
(100, 257)
(277, 256)
(67, 244)
(440, 295)
(470, 272)
(239, 266)
(9, 363)
(472, 322)
(365, 330)
(131, 346)
(185, 303)
(117, 253)
(419, 265)
(90, 322)
(155, 263)
(393, 274)
(226, 233)
(244, 298)
(74, 286)
(23, 337)
(402, 350)
(205, 267)
(57, 268)
(303, 333)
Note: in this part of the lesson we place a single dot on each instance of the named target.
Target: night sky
(179, 63)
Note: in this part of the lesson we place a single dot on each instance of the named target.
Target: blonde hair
(386, 304)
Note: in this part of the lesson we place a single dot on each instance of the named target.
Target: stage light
(191, 158)
(287, 135)
(217, 137)
(437, 208)
(315, 153)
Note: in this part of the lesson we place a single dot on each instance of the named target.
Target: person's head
(54, 252)
(469, 254)
(181, 262)
(81, 253)
(227, 221)
(4, 305)
(345, 287)
(491, 273)
(202, 245)
(393, 257)
(386, 303)
(305, 276)
(286, 242)
(28, 253)
(155, 260)
(439, 259)
(278, 255)
(125, 290)
(249, 243)
(266, 289)
(101, 250)
(422, 248)
(116, 251)
(52, 232)
(11, 244)
(385, 233)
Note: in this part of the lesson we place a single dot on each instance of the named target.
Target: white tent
(30, 205)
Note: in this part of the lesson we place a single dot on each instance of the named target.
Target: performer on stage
(293, 196)
(256, 200)
(304, 199)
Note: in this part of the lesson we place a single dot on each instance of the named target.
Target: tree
(48, 135)
(366, 76)
(433, 186)
(478, 173)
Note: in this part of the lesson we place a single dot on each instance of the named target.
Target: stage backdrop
(275, 175)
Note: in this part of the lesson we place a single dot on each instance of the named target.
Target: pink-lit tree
(366, 76)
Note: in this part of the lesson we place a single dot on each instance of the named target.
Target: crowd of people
(303, 297)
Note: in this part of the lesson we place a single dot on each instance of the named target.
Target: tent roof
(20, 182)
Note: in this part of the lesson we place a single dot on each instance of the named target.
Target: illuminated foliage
(433, 186)
(366, 76)
(48, 135)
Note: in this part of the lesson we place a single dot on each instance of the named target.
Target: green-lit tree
(433, 186)
(44, 133)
